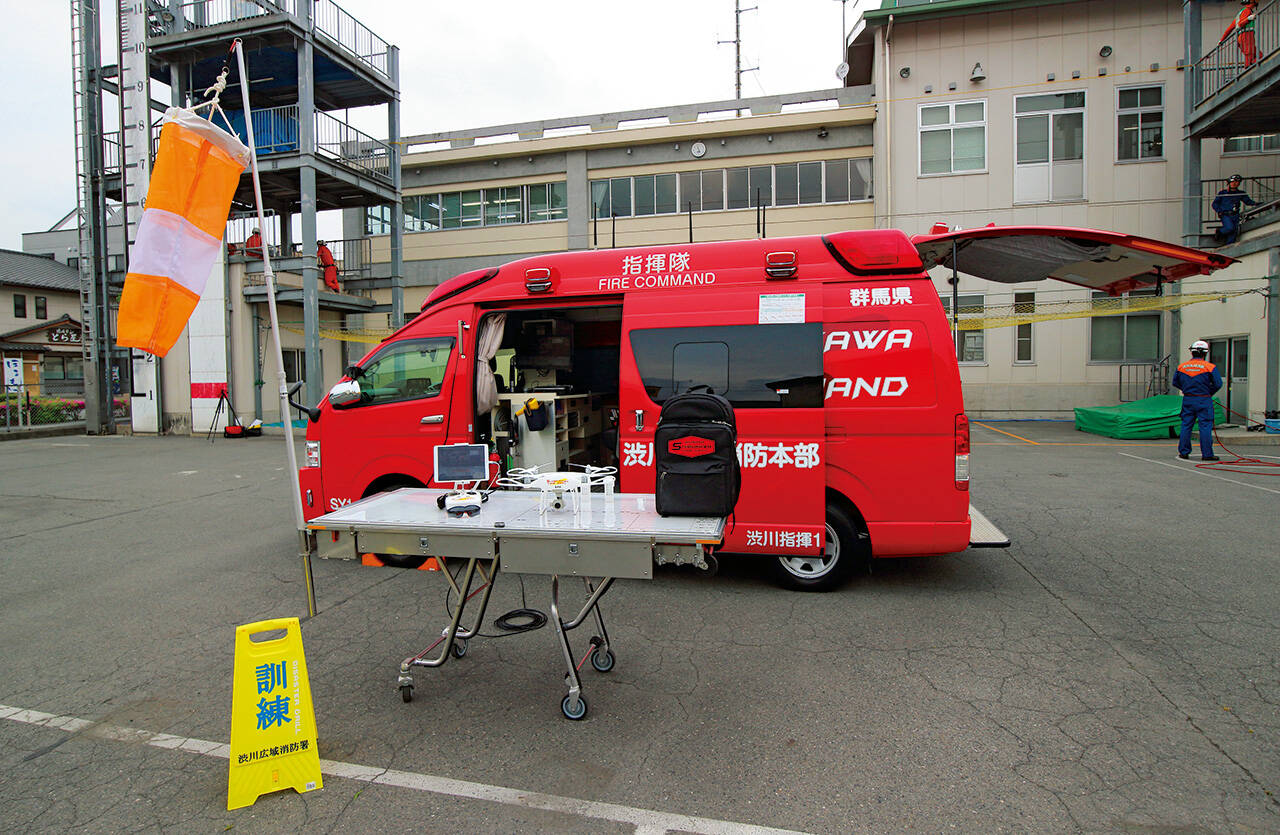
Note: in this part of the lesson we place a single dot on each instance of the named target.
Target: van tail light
(313, 454)
(962, 452)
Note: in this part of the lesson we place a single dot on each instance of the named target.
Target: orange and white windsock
(197, 169)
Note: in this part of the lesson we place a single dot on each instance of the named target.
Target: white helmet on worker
(1199, 347)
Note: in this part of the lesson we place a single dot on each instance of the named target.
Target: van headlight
(313, 453)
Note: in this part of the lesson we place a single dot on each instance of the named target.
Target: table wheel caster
(570, 713)
(602, 660)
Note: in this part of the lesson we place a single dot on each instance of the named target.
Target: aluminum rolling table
(608, 537)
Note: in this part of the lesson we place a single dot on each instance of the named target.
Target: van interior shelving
(567, 360)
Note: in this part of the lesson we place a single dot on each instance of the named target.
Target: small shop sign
(64, 335)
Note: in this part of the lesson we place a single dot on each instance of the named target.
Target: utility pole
(738, 12)
(844, 32)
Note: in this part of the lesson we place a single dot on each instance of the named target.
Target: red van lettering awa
(852, 437)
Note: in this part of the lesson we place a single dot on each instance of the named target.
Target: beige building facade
(789, 165)
(1064, 114)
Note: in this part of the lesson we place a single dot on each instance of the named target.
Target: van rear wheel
(828, 570)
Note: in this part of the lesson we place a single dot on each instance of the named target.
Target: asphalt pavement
(1115, 670)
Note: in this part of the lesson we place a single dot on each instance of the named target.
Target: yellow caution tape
(1008, 315)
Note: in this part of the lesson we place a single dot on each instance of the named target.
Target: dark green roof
(923, 9)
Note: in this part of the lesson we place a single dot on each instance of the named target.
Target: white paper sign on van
(657, 270)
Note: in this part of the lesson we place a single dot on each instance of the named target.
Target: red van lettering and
(868, 340)
(855, 387)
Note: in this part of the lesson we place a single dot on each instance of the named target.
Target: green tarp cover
(1154, 417)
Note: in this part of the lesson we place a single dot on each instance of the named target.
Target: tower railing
(197, 14)
(328, 18)
(1224, 64)
(345, 144)
(338, 25)
(1265, 191)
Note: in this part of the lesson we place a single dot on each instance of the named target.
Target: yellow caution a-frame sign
(273, 728)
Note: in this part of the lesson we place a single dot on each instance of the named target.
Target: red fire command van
(834, 350)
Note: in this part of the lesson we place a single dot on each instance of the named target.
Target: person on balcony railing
(1227, 205)
(325, 257)
(253, 244)
(1243, 26)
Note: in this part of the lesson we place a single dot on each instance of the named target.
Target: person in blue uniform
(1198, 380)
(1227, 204)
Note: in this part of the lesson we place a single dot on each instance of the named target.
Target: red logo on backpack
(691, 446)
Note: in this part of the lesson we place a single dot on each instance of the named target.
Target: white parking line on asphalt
(645, 821)
(1199, 471)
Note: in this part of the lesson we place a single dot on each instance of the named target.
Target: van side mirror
(355, 372)
(344, 393)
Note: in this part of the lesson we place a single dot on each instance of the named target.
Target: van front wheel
(828, 570)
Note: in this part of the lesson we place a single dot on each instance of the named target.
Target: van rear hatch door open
(1108, 261)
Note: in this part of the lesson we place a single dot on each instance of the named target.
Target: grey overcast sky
(461, 65)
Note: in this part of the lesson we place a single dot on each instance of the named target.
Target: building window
(691, 191)
(1255, 144)
(1023, 303)
(548, 201)
(62, 368)
(797, 183)
(19, 306)
(620, 196)
(1049, 160)
(1140, 123)
(712, 190)
(73, 261)
(377, 220)
(953, 137)
(847, 179)
(421, 213)
(497, 206)
(971, 346)
(42, 307)
(1132, 337)
(503, 206)
(785, 184)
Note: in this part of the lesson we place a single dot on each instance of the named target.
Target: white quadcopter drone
(556, 486)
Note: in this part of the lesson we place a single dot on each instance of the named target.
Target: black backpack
(695, 449)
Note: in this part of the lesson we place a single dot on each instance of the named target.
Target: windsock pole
(304, 547)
